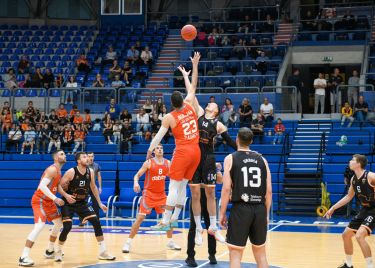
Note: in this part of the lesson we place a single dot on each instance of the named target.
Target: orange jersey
(79, 134)
(78, 120)
(61, 113)
(186, 130)
(52, 186)
(155, 177)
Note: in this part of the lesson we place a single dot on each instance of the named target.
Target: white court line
(227, 251)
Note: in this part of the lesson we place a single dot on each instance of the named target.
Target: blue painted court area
(163, 264)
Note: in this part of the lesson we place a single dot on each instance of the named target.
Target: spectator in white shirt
(320, 85)
(143, 121)
(146, 56)
(110, 56)
(29, 140)
(69, 94)
(266, 110)
(14, 137)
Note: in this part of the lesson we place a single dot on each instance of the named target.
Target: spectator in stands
(125, 116)
(201, 39)
(320, 85)
(309, 23)
(213, 38)
(114, 70)
(133, 55)
(113, 109)
(348, 20)
(147, 57)
(79, 138)
(335, 94)
(296, 81)
(23, 65)
(116, 129)
(155, 124)
(72, 113)
(246, 113)
(178, 80)
(269, 25)
(253, 49)
(212, 99)
(279, 132)
(43, 139)
(41, 119)
(148, 107)
(257, 126)
(97, 126)
(261, 62)
(48, 79)
(159, 106)
(10, 79)
(107, 130)
(117, 83)
(361, 110)
(239, 50)
(6, 107)
(143, 121)
(69, 93)
(25, 125)
(347, 114)
(26, 83)
(99, 82)
(138, 47)
(59, 80)
(53, 119)
(61, 112)
(83, 63)
(87, 122)
(6, 121)
(266, 110)
(163, 113)
(54, 139)
(353, 88)
(37, 78)
(127, 73)
(226, 111)
(67, 138)
(110, 56)
(127, 133)
(29, 139)
(245, 27)
(30, 111)
(225, 41)
(78, 118)
(14, 137)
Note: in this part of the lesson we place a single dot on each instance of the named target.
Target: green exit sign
(327, 59)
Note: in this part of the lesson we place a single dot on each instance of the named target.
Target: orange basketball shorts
(152, 201)
(184, 162)
(44, 210)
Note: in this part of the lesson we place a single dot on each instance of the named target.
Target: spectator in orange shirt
(83, 64)
(279, 131)
(68, 137)
(6, 121)
(25, 125)
(73, 112)
(78, 119)
(79, 137)
(61, 112)
(87, 119)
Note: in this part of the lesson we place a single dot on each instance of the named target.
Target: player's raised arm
(190, 97)
(223, 131)
(141, 171)
(64, 183)
(160, 135)
(226, 190)
(43, 185)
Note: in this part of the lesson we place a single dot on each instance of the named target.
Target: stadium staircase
(284, 33)
(373, 30)
(301, 190)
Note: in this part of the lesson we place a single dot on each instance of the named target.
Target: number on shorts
(190, 127)
(369, 219)
(255, 179)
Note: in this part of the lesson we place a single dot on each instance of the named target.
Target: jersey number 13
(254, 180)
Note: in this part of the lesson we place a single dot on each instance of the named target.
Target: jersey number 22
(255, 179)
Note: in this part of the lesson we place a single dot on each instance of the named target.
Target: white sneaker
(110, 142)
(49, 254)
(215, 232)
(198, 237)
(106, 256)
(26, 261)
(21, 152)
(173, 246)
(126, 248)
(58, 256)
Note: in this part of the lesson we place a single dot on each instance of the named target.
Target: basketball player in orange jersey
(153, 196)
(186, 156)
(44, 207)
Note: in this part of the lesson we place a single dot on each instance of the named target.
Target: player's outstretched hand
(59, 202)
(329, 213)
(136, 187)
(183, 71)
(103, 207)
(149, 155)
(223, 221)
(70, 199)
(196, 58)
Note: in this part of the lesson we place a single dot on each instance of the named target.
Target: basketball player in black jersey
(362, 184)
(247, 179)
(75, 188)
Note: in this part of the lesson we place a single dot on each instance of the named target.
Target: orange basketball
(188, 32)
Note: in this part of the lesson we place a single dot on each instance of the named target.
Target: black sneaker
(49, 254)
(345, 266)
(212, 259)
(190, 261)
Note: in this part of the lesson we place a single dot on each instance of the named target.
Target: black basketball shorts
(206, 171)
(365, 217)
(82, 209)
(247, 221)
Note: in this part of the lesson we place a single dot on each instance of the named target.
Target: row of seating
(47, 27)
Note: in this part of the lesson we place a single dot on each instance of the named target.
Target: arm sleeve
(44, 188)
(158, 137)
(229, 140)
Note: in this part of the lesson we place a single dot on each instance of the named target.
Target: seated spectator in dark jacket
(48, 79)
(37, 78)
(361, 110)
(261, 62)
(127, 133)
(125, 116)
(83, 64)
(23, 65)
(269, 25)
(246, 113)
(257, 126)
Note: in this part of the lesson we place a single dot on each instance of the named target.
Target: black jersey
(79, 186)
(207, 133)
(364, 191)
(249, 177)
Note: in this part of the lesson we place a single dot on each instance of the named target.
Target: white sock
(213, 222)
(51, 246)
(349, 261)
(102, 247)
(129, 240)
(170, 240)
(369, 262)
(198, 223)
(176, 214)
(59, 247)
(167, 217)
(25, 252)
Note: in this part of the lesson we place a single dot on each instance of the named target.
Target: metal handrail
(322, 149)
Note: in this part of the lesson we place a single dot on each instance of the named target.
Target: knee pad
(57, 223)
(67, 226)
(96, 224)
(38, 227)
